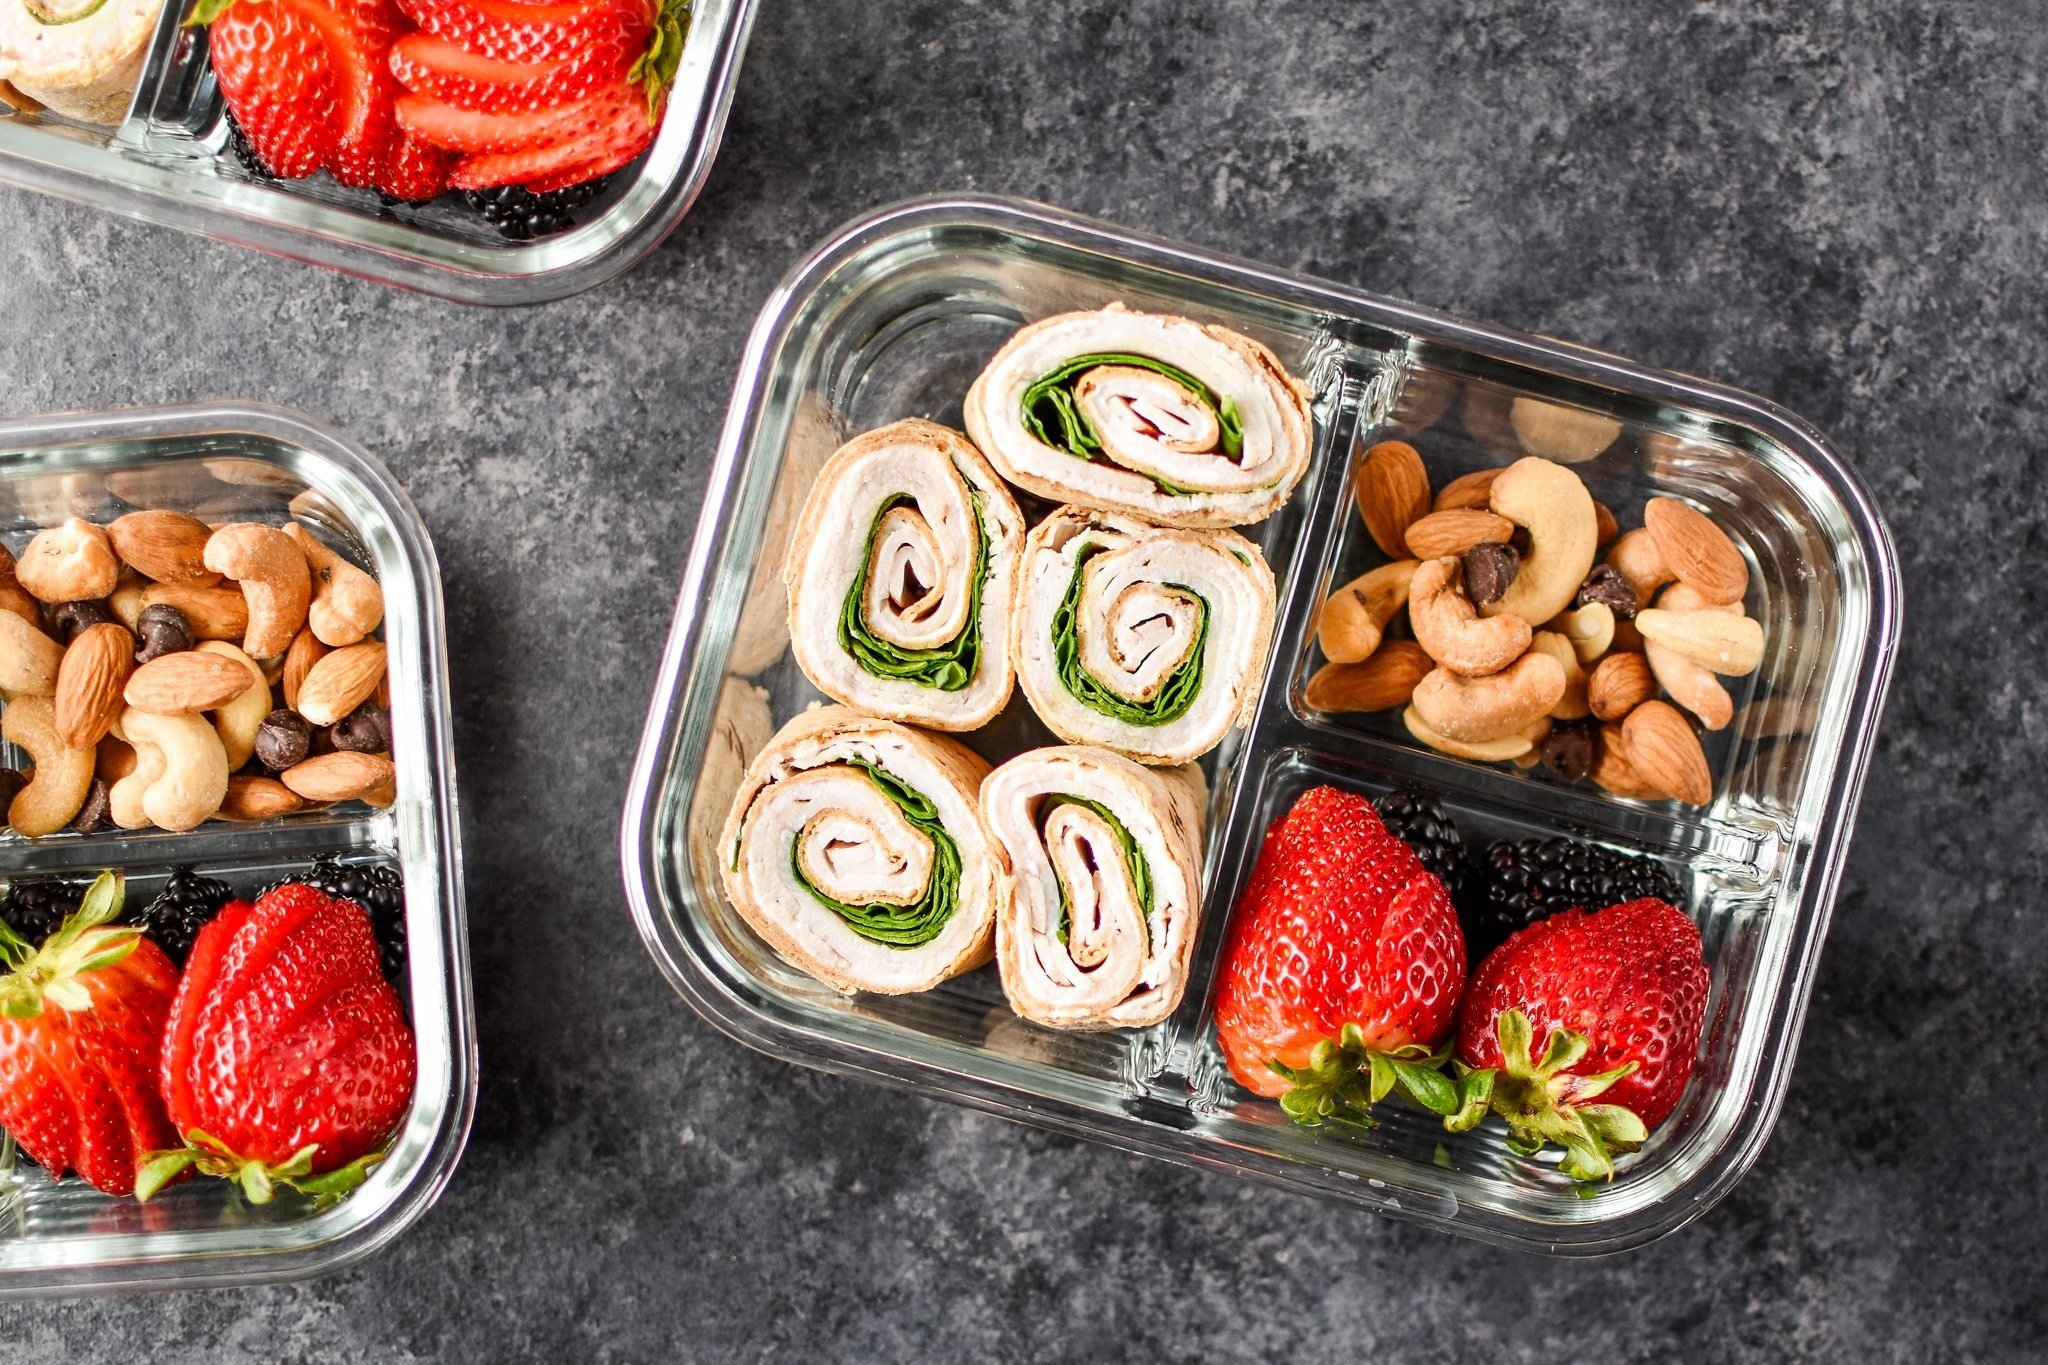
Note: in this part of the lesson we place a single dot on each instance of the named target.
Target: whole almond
(212, 613)
(1696, 550)
(1666, 754)
(89, 683)
(343, 775)
(1467, 490)
(1607, 527)
(1380, 683)
(1731, 645)
(187, 683)
(306, 651)
(1612, 769)
(1620, 683)
(1456, 531)
(1351, 622)
(258, 798)
(341, 681)
(165, 546)
(1392, 490)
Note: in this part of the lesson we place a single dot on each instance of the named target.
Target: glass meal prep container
(893, 318)
(167, 161)
(249, 462)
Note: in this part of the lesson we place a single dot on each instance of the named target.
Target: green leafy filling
(1052, 414)
(900, 926)
(947, 668)
(1174, 697)
(1134, 859)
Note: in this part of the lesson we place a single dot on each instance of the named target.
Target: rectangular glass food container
(893, 318)
(167, 162)
(248, 462)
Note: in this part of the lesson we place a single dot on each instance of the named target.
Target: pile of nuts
(138, 662)
(1529, 646)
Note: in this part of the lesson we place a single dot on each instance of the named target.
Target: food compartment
(907, 342)
(894, 318)
(240, 463)
(168, 159)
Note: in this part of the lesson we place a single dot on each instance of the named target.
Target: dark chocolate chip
(1572, 750)
(164, 630)
(1605, 584)
(1489, 572)
(97, 813)
(366, 730)
(70, 619)
(11, 783)
(283, 740)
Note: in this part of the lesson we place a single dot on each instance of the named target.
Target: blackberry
(241, 149)
(378, 890)
(35, 907)
(1526, 880)
(520, 214)
(177, 913)
(1419, 820)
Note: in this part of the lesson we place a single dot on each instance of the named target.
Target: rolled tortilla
(1103, 858)
(1142, 639)
(901, 575)
(79, 58)
(855, 848)
(1144, 413)
(741, 727)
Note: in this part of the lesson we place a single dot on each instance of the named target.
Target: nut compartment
(248, 462)
(167, 162)
(893, 318)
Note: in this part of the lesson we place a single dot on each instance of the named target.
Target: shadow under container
(167, 162)
(894, 317)
(239, 462)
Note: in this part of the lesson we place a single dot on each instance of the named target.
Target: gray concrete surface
(1842, 204)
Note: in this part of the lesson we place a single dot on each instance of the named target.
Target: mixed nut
(1541, 633)
(143, 663)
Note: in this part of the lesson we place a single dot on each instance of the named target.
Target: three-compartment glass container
(253, 463)
(167, 161)
(893, 318)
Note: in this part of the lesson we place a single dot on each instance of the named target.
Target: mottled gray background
(1837, 204)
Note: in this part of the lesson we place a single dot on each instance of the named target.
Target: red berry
(1340, 926)
(272, 66)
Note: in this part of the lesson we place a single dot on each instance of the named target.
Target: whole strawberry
(287, 1058)
(1344, 967)
(1582, 1007)
(81, 1023)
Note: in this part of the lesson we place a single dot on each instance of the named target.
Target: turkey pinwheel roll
(1144, 413)
(855, 848)
(79, 58)
(901, 577)
(1104, 862)
(1142, 639)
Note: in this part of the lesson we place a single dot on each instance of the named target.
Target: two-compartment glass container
(253, 463)
(893, 318)
(167, 162)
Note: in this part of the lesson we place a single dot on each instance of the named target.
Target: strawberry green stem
(82, 945)
(1545, 1101)
(208, 1155)
(1344, 1079)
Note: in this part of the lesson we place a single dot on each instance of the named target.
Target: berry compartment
(251, 463)
(169, 161)
(893, 318)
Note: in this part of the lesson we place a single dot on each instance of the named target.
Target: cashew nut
(1590, 629)
(1572, 705)
(1636, 558)
(1731, 645)
(126, 599)
(1691, 685)
(1555, 432)
(145, 767)
(193, 780)
(1353, 620)
(29, 659)
(275, 580)
(1491, 751)
(61, 778)
(1452, 632)
(237, 721)
(69, 563)
(347, 603)
(1536, 735)
(1474, 710)
(13, 597)
(1551, 503)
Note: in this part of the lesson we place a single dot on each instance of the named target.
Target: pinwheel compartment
(894, 317)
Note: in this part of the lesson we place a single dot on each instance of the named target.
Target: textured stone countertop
(1840, 204)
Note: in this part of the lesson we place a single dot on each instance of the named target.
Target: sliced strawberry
(415, 171)
(524, 31)
(202, 970)
(580, 174)
(464, 130)
(619, 133)
(455, 75)
(274, 72)
(363, 83)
